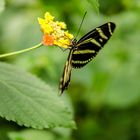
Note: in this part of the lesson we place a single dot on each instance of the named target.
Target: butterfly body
(84, 50)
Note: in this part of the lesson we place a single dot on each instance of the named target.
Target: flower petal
(48, 40)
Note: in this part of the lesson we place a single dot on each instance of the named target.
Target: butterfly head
(73, 43)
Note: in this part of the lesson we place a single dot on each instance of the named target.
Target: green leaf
(2, 5)
(28, 101)
(31, 135)
(94, 4)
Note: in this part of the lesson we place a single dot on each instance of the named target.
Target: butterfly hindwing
(65, 79)
(90, 44)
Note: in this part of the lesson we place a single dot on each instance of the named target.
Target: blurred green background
(106, 93)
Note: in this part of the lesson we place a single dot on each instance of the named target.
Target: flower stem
(21, 51)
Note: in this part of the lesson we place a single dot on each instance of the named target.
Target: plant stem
(21, 51)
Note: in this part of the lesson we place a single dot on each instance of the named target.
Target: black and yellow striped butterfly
(84, 50)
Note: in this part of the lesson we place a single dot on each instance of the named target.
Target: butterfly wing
(85, 50)
(65, 79)
(90, 44)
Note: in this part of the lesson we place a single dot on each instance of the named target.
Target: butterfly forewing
(90, 44)
(107, 28)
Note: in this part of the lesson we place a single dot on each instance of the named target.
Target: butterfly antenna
(81, 24)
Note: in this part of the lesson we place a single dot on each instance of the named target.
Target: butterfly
(84, 50)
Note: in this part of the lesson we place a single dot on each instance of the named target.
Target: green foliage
(28, 101)
(2, 5)
(31, 135)
(105, 94)
(95, 4)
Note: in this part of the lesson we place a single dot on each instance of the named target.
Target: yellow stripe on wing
(83, 51)
(90, 40)
(101, 33)
(81, 62)
(109, 26)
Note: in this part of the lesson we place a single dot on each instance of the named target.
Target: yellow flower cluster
(54, 32)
